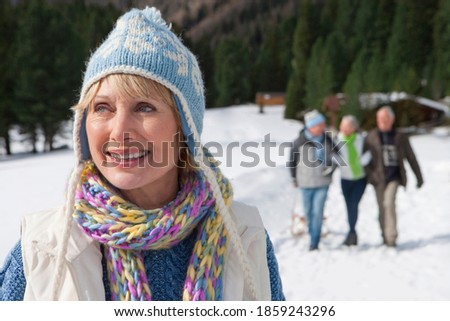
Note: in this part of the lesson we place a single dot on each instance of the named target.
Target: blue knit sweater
(166, 270)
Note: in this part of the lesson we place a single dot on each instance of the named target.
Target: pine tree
(375, 78)
(376, 74)
(96, 22)
(273, 62)
(7, 30)
(362, 41)
(328, 16)
(342, 41)
(364, 31)
(440, 83)
(30, 74)
(320, 77)
(355, 85)
(410, 44)
(232, 65)
(64, 72)
(304, 37)
(48, 68)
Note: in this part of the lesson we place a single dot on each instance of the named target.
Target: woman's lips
(126, 159)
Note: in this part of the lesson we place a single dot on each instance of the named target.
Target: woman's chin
(123, 179)
(124, 183)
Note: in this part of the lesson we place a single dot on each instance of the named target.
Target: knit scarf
(127, 230)
(353, 157)
(318, 142)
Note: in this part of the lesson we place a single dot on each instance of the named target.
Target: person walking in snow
(353, 178)
(386, 171)
(311, 167)
(148, 213)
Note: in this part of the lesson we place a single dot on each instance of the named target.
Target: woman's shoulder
(245, 214)
(42, 214)
(244, 208)
(43, 232)
(40, 223)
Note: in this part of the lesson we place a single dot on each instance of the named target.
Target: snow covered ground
(253, 150)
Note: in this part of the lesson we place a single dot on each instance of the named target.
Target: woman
(311, 169)
(148, 214)
(353, 179)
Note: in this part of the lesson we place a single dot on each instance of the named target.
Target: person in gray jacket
(311, 166)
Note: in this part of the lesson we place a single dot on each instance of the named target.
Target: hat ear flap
(85, 151)
(187, 130)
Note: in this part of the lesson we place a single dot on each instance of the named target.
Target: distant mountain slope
(214, 18)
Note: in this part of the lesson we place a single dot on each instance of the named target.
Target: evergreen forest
(307, 49)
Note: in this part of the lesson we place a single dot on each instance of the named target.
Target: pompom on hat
(142, 44)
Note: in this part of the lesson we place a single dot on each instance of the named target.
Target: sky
(253, 149)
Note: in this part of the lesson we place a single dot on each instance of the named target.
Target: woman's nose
(122, 128)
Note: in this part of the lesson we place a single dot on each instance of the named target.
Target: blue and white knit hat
(143, 44)
(313, 118)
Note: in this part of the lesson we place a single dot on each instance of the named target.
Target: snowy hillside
(416, 270)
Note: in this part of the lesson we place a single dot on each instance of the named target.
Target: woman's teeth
(128, 156)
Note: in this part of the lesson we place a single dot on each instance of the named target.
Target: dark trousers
(353, 192)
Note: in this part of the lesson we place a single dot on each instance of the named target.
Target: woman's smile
(127, 158)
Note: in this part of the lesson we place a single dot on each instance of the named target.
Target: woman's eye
(100, 108)
(145, 108)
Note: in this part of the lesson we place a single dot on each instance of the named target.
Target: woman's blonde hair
(127, 85)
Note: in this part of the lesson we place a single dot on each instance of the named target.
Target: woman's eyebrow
(101, 96)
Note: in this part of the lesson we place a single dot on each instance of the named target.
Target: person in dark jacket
(311, 166)
(386, 171)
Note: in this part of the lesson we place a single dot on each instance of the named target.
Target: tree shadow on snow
(415, 244)
(25, 155)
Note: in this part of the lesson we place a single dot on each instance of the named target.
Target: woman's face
(133, 140)
(346, 127)
(318, 129)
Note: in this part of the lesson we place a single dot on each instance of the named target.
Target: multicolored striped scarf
(127, 230)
